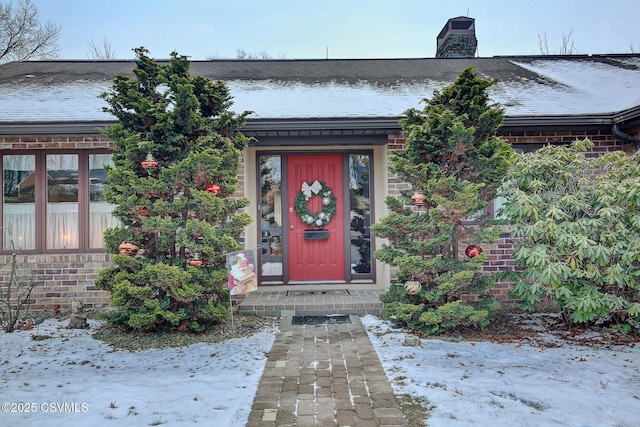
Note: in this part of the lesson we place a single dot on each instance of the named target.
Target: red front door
(311, 259)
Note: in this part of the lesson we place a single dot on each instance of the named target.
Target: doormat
(319, 320)
(318, 293)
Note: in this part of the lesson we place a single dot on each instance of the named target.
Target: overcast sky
(303, 29)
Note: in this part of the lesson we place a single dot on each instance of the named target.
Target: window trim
(41, 200)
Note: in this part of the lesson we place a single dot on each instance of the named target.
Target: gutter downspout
(617, 132)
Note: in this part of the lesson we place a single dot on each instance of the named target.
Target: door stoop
(316, 302)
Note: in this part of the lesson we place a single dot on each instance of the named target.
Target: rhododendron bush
(577, 220)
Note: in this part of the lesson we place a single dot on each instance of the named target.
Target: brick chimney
(457, 39)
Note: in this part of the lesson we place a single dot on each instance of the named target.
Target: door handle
(291, 226)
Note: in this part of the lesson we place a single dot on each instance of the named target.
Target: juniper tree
(181, 210)
(453, 156)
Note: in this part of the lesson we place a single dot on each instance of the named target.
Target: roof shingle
(51, 91)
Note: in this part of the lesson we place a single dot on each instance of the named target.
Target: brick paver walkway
(324, 375)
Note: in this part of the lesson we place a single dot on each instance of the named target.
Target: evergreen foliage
(577, 218)
(452, 155)
(184, 122)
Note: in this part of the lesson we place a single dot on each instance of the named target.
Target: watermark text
(49, 407)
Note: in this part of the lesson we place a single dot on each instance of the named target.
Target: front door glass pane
(271, 214)
(62, 201)
(18, 202)
(360, 213)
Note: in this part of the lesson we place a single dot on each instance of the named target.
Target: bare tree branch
(567, 47)
(543, 43)
(567, 43)
(101, 51)
(244, 55)
(15, 297)
(22, 36)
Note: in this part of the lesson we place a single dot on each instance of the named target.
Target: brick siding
(55, 143)
(61, 276)
(604, 142)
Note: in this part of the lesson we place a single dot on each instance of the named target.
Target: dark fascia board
(346, 126)
(628, 118)
(375, 124)
(252, 127)
(391, 125)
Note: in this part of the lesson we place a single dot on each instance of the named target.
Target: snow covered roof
(530, 86)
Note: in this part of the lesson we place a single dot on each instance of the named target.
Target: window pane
(100, 217)
(18, 202)
(62, 201)
(360, 213)
(271, 215)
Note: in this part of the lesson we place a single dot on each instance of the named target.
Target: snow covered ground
(70, 379)
(488, 384)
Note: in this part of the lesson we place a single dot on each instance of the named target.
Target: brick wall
(54, 143)
(394, 184)
(62, 277)
(499, 258)
(604, 141)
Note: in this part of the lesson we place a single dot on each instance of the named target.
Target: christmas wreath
(318, 219)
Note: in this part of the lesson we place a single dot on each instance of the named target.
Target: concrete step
(315, 302)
